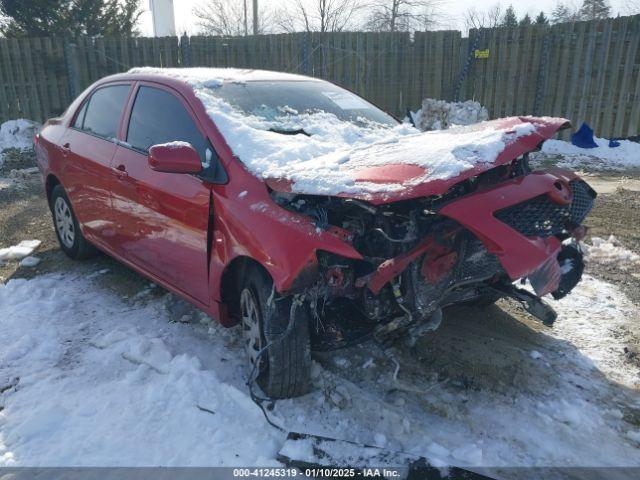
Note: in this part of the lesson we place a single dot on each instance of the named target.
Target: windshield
(274, 100)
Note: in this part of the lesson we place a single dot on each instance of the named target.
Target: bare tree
(491, 18)
(228, 17)
(402, 15)
(318, 15)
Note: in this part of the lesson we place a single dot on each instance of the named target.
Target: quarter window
(159, 117)
(101, 114)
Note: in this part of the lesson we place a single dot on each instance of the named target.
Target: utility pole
(255, 17)
(246, 28)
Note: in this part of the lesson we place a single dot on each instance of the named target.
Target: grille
(477, 264)
(541, 217)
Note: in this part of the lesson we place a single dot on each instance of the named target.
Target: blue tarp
(583, 138)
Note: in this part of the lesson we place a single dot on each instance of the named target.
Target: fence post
(306, 51)
(541, 83)
(71, 64)
(467, 63)
(185, 50)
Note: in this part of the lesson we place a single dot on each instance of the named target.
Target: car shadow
(492, 352)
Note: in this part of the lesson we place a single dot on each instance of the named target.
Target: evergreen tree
(509, 19)
(38, 18)
(594, 9)
(542, 19)
(526, 20)
(70, 17)
(122, 17)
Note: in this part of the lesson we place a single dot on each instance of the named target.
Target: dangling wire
(258, 400)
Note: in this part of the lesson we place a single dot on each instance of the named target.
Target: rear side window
(101, 114)
(159, 117)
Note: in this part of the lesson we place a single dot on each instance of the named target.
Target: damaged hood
(404, 166)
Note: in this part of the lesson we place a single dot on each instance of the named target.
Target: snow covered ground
(91, 378)
(611, 251)
(625, 156)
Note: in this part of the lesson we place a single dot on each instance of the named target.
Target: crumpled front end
(470, 243)
(525, 221)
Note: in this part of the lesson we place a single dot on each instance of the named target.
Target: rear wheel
(283, 370)
(71, 240)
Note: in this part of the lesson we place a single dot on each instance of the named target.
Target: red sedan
(303, 212)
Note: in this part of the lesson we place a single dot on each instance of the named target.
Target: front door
(162, 218)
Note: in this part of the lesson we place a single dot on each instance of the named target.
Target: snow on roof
(212, 77)
(327, 161)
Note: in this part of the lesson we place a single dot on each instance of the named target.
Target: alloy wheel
(64, 222)
(251, 325)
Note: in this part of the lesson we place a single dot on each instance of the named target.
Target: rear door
(162, 218)
(88, 146)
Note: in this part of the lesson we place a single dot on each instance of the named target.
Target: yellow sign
(482, 53)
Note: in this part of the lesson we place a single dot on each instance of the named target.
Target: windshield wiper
(289, 132)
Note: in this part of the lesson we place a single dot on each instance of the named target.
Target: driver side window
(159, 117)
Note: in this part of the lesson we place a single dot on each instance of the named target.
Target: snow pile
(20, 179)
(610, 251)
(17, 134)
(329, 159)
(29, 262)
(17, 252)
(439, 114)
(627, 155)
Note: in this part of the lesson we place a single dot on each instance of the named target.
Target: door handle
(121, 171)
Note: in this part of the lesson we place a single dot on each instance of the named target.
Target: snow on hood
(337, 157)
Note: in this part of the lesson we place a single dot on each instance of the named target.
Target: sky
(452, 11)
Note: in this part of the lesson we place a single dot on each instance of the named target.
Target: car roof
(214, 75)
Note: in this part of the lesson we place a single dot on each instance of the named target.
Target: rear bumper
(530, 244)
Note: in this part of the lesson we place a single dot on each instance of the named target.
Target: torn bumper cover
(521, 223)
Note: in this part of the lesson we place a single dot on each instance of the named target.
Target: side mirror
(174, 157)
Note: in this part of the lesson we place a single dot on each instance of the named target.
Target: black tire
(77, 247)
(285, 367)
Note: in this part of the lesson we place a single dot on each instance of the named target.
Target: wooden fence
(585, 71)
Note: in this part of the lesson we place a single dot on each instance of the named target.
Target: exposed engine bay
(417, 260)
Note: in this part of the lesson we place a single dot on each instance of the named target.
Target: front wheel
(284, 368)
(71, 240)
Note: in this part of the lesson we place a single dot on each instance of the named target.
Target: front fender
(250, 224)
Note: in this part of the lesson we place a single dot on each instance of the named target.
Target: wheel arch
(49, 184)
(230, 282)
